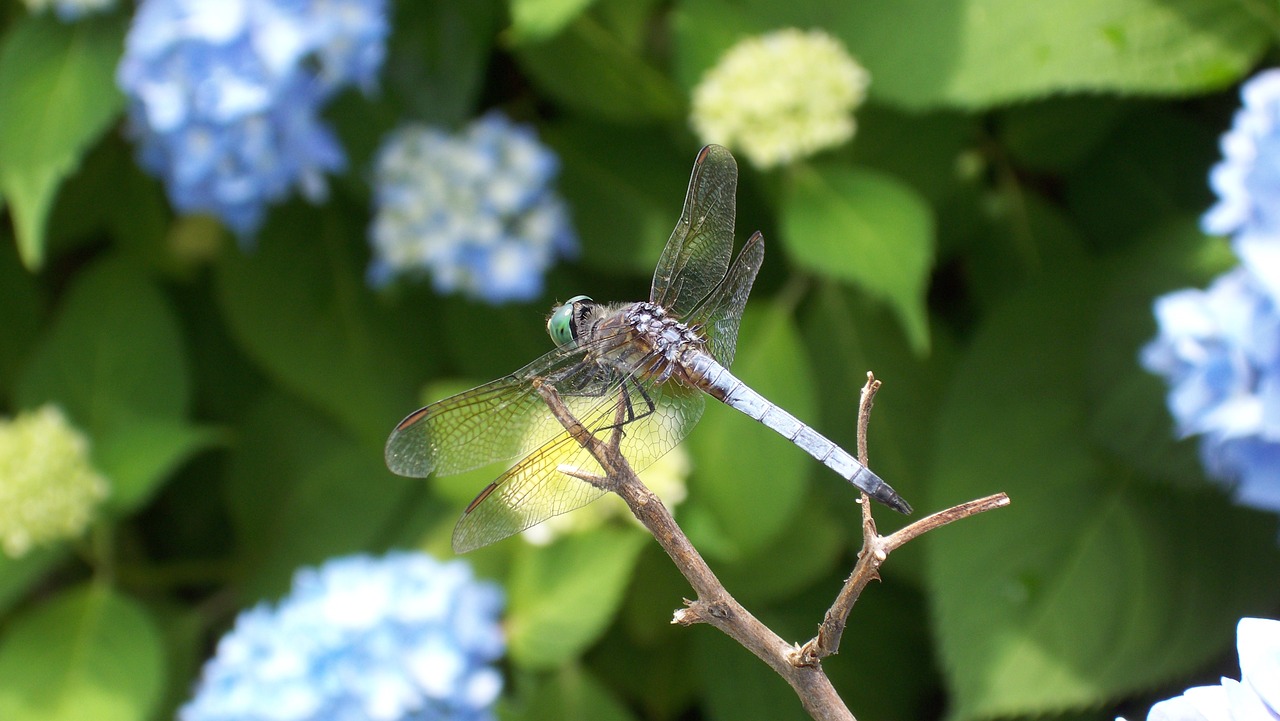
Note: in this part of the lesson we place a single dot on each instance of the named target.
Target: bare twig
(713, 605)
(799, 666)
(875, 548)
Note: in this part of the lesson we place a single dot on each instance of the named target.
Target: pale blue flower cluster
(1247, 181)
(399, 638)
(1219, 348)
(1255, 696)
(225, 96)
(477, 211)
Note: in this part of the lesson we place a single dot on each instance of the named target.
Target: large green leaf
(737, 685)
(110, 195)
(590, 67)
(437, 58)
(301, 490)
(849, 335)
(299, 307)
(886, 668)
(114, 360)
(88, 654)
(805, 551)
(865, 228)
(1153, 165)
(1090, 585)
(572, 694)
(703, 30)
(537, 20)
(19, 574)
(21, 312)
(564, 595)
(58, 91)
(114, 352)
(751, 480)
(976, 53)
(141, 453)
(1131, 418)
(625, 187)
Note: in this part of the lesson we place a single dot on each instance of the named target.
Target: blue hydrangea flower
(70, 10)
(1219, 349)
(1255, 696)
(477, 211)
(225, 97)
(1247, 180)
(400, 638)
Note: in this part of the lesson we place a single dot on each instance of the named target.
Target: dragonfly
(643, 368)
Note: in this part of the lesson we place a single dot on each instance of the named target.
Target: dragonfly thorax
(663, 338)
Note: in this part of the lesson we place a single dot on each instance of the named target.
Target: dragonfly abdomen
(704, 372)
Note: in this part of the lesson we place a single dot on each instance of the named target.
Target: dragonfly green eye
(560, 324)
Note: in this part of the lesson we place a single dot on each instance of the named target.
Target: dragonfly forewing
(698, 252)
(498, 421)
(654, 420)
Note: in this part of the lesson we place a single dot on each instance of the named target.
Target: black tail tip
(890, 498)
(899, 505)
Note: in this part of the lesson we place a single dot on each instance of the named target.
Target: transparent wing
(721, 314)
(536, 488)
(500, 420)
(697, 254)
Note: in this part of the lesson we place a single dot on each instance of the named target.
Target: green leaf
(21, 314)
(113, 354)
(625, 187)
(590, 68)
(58, 91)
(804, 552)
(1114, 595)
(17, 575)
(88, 654)
(885, 669)
(736, 685)
(110, 195)
(114, 360)
(865, 228)
(437, 58)
(1022, 237)
(978, 53)
(752, 480)
(298, 306)
(537, 20)
(704, 30)
(848, 335)
(1151, 167)
(301, 490)
(573, 695)
(1057, 133)
(563, 596)
(1131, 417)
(139, 454)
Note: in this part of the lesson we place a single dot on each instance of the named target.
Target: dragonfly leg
(626, 408)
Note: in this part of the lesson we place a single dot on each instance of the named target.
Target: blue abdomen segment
(717, 381)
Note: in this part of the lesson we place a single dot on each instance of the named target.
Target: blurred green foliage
(1025, 180)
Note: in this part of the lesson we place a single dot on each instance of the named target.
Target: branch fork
(799, 665)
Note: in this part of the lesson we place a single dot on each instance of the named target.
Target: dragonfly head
(562, 324)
